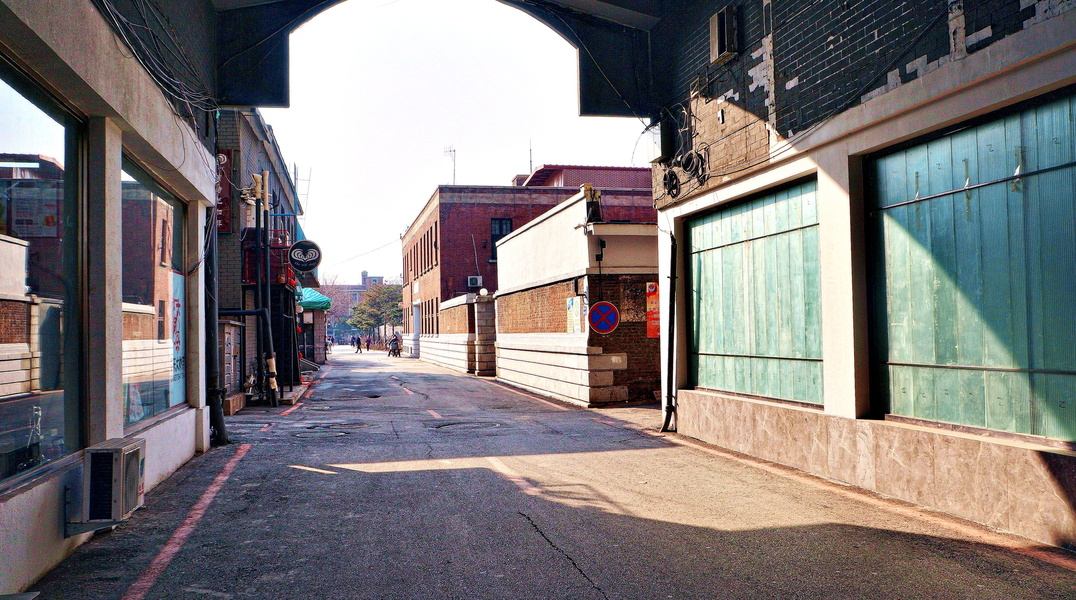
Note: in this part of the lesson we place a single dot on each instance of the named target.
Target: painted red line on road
(291, 410)
(310, 386)
(145, 581)
(266, 427)
(531, 396)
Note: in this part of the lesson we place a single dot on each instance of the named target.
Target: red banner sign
(224, 191)
(653, 313)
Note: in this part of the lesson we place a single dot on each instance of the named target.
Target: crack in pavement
(564, 554)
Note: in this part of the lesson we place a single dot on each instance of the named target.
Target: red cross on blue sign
(603, 317)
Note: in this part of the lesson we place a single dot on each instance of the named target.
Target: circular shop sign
(603, 317)
(304, 255)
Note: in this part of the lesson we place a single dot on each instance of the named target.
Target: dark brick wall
(801, 62)
(628, 294)
(14, 322)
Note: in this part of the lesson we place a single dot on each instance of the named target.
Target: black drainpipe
(214, 391)
(670, 398)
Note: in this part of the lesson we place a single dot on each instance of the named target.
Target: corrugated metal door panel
(755, 320)
(976, 280)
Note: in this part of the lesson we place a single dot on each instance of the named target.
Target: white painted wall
(12, 266)
(552, 246)
(560, 244)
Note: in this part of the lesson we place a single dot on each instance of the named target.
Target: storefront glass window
(154, 298)
(40, 418)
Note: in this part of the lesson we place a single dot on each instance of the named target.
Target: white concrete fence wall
(563, 366)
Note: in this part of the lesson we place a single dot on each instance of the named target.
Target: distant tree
(341, 308)
(380, 306)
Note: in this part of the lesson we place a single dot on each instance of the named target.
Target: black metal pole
(259, 332)
(670, 402)
(218, 435)
(270, 355)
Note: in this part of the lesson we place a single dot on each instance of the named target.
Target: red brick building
(450, 248)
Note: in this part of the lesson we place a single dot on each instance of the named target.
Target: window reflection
(154, 298)
(39, 348)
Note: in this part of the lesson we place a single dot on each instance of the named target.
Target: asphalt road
(398, 480)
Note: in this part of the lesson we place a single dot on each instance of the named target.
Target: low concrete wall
(1024, 488)
(15, 369)
(453, 350)
(32, 512)
(562, 366)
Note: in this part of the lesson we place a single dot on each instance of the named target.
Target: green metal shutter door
(755, 302)
(976, 286)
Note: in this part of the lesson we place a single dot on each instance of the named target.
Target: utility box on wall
(115, 479)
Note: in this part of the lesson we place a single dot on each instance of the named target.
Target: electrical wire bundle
(156, 46)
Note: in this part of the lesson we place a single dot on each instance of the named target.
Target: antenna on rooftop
(303, 193)
(451, 151)
(530, 168)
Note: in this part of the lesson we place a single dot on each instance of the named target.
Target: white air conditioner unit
(115, 479)
(474, 281)
(114, 484)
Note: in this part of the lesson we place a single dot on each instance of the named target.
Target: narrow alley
(396, 479)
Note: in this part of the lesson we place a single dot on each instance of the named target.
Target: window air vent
(723, 34)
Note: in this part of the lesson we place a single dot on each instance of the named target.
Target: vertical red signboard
(224, 191)
(653, 314)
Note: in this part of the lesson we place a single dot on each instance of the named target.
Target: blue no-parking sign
(603, 317)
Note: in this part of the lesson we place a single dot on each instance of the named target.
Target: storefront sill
(151, 422)
(27, 481)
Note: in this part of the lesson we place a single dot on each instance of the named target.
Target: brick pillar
(485, 322)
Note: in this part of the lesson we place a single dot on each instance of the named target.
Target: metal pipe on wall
(670, 401)
(214, 391)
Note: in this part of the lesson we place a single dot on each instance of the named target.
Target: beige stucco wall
(126, 113)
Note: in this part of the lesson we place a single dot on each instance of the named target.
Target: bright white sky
(380, 88)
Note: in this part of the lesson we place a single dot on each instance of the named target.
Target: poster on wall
(575, 314)
(35, 211)
(177, 390)
(3, 215)
(653, 312)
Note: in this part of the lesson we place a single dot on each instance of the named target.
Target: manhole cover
(466, 426)
(319, 434)
(350, 426)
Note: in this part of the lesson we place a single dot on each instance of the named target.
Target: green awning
(314, 300)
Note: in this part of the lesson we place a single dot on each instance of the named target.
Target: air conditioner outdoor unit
(474, 281)
(114, 484)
